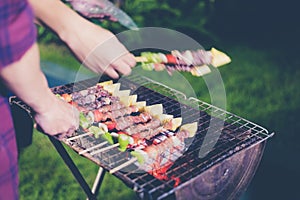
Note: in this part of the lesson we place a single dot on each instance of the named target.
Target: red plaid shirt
(17, 34)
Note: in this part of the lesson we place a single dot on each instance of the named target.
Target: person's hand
(100, 50)
(26, 80)
(97, 48)
(58, 118)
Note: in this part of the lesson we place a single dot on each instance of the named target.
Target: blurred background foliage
(256, 22)
(177, 15)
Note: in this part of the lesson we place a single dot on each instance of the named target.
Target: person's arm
(96, 47)
(27, 81)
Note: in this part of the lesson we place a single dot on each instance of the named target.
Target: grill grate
(236, 134)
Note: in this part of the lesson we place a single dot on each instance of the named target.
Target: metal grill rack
(220, 134)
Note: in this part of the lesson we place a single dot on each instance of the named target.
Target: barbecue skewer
(195, 62)
(105, 149)
(195, 58)
(123, 141)
(125, 164)
(79, 136)
(144, 157)
(93, 147)
(87, 124)
(130, 107)
(86, 134)
(139, 155)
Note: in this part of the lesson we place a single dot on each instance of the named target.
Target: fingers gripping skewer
(127, 163)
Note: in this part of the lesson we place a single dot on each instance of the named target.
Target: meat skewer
(126, 105)
(136, 126)
(155, 156)
(171, 124)
(195, 58)
(122, 118)
(123, 103)
(95, 97)
(124, 139)
(195, 62)
(113, 114)
(126, 121)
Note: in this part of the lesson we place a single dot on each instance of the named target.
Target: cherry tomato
(110, 125)
(171, 59)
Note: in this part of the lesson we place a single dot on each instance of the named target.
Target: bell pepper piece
(83, 121)
(108, 137)
(123, 141)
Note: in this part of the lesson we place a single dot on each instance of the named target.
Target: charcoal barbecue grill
(223, 173)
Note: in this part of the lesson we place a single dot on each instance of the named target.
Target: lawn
(260, 86)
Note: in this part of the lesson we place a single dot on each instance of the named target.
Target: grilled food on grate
(154, 138)
(235, 148)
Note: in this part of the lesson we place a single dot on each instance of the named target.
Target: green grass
(260, 86)
(58, 54)
(44, 175)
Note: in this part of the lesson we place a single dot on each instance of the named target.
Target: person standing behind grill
(20, 72)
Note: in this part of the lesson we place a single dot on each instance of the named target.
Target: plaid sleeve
(17, 30)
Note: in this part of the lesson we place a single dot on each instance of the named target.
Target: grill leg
(98, 180)
(69, 162)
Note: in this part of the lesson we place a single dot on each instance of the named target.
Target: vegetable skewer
(195, 62)
(196, 58)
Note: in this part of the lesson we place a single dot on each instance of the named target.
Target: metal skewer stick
(93, 147)
(125, 164)
(79, 136)
(105, 149)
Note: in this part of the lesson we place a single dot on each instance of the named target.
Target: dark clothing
(17, 35)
